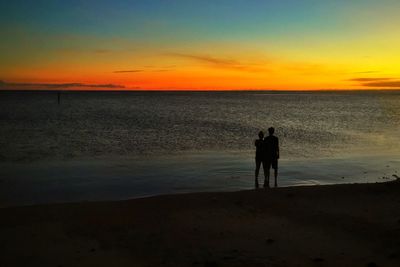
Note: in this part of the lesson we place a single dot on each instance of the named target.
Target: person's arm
(257, 143)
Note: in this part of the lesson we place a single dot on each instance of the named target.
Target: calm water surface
(113, 145)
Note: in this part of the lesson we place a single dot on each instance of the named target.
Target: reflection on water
(117, 145)
(126, 124)
(30, 183)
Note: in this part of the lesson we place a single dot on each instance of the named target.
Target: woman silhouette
(259, 144)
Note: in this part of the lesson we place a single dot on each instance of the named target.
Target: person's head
(271, 130)
(261, 134)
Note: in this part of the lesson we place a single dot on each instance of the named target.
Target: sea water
(117, 145)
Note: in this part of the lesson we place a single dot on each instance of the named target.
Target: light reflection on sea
(94, 180)
(118, 145)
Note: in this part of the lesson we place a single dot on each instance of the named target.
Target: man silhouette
(271, 156)
(260, 155)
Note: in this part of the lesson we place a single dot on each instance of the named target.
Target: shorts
(271, 163)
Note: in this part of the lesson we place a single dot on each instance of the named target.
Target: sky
(199, 45)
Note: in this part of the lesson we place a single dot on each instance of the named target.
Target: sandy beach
(336, 225)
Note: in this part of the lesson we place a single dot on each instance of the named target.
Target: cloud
(207, 59)
(378, 82)
(217, 62)
(58, 86)
(166, 67)
(390, 84)
(159, 68)
(127, 71)
(138, 70)
(369, 79)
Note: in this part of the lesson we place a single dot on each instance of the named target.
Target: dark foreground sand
(341, 225)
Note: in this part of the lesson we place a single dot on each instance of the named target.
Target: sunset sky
(232, 44)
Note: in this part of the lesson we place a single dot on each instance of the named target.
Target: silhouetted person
(260, 154)
(271, 156)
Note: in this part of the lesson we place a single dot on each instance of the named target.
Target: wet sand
(335, 225)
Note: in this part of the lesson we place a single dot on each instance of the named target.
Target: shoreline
(329, 225)
(107, 180)
(395, 179)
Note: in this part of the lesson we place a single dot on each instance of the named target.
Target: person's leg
(266, 167)
(258, 164)
(276, 173)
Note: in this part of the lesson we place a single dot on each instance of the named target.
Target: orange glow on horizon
(268, 45)
(203, 74)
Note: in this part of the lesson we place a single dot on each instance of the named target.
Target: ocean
(118, 145)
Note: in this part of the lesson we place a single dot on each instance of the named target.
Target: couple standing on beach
(267, 153)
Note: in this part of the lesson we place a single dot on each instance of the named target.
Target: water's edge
(118, 179)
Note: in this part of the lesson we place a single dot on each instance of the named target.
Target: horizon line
(197, 90)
